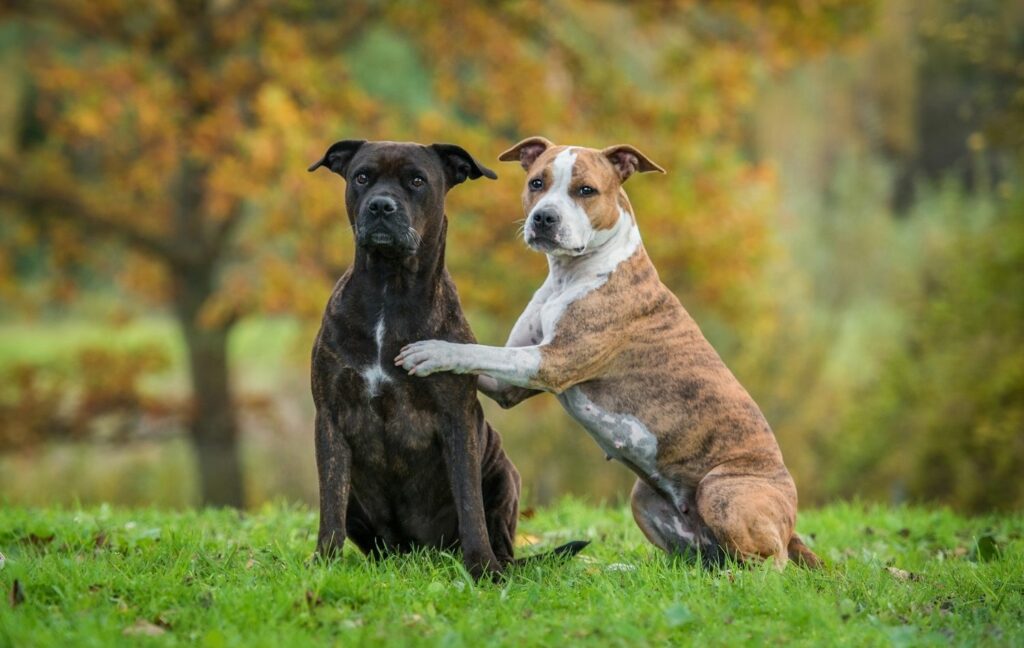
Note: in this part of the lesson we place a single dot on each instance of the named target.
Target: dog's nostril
(545, 218)
(382, 205)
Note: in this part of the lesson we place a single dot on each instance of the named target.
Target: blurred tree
(887, 222)
(969, 117)
(944, 421)
(142, 125)
(181, 130)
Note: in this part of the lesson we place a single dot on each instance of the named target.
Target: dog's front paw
(483, 566)
(427, 357)
(329, 545)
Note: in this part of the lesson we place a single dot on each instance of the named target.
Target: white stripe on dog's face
(574, 228)
(581, 188)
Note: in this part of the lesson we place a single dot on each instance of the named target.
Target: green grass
(218, 578)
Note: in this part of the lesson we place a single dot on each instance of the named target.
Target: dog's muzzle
(541, 231)
(384, 227)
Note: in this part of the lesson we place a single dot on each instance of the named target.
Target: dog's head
(395, 190)
(574, 195)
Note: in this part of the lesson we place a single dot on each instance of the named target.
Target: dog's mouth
(389, 243)
(541, 242)
(550, 245)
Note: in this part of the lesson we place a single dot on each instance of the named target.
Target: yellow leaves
(275, 107)
(227, 305)
(143, 276)
(86, 121)
(270, 105)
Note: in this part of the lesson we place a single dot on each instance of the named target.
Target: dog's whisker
(413, 237)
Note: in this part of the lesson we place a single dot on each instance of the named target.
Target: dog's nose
(545, 218)
(382, 205)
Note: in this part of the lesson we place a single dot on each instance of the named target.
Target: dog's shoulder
(324, 341)
(632, 292)
(334, 301)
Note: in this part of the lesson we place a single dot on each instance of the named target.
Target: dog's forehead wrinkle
(392, 156)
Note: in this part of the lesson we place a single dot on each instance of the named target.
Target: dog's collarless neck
(416, 276)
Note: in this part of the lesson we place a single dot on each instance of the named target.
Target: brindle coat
(630, 364)
(402, 462)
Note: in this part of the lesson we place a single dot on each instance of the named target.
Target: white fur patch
(374, 374)
(621, 436)
(513, 365)
(571, 278)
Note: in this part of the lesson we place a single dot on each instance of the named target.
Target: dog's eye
(362, 178)
(587, 190)
(418, 182)
(536, 184)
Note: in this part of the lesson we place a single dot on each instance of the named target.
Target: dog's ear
(627, 160)
(459, 165)
(338, 156)
(527, 151)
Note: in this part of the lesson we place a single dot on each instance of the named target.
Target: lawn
(106, 576)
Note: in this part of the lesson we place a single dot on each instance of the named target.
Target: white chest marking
(374, 374)
(570, 278)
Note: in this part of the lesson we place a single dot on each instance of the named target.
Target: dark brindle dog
(404, 462)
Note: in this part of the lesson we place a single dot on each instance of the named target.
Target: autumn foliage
(157, 151)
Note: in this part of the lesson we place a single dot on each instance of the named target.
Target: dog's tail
(562, 552)
(801, 555)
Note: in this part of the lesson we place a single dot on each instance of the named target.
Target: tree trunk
(214, 429)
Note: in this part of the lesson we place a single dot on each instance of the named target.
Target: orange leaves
(96, 390)
(128, 93)
(143, 276)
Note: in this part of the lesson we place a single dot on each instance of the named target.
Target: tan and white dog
(628, 362)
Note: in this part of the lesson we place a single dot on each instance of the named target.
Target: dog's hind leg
(360, 531)
(751, 516)
(674, 531)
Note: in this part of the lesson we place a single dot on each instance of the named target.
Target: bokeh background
(843, 215)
